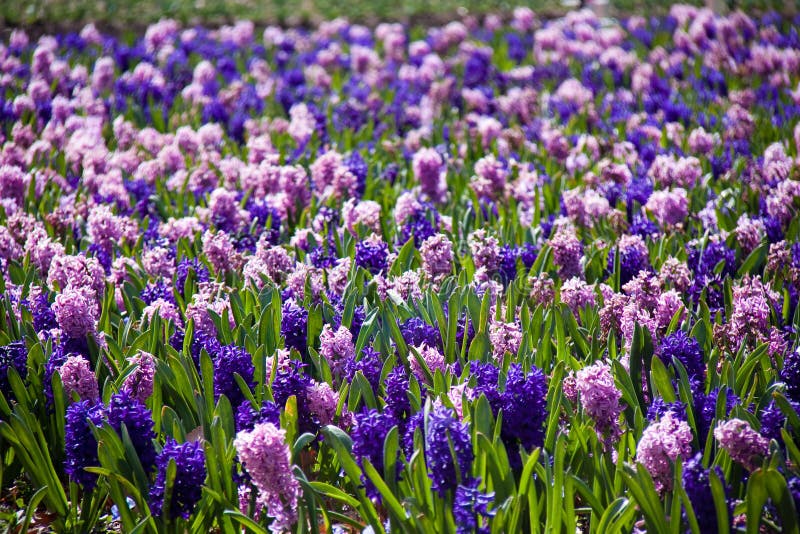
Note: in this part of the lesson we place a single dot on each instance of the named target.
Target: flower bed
(505, 276)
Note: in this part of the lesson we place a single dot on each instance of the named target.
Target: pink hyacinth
(266, 456)
(669, 207)
(504, 337)
(600, 398)
(336, 347)
(661, 444)
(322, 402)
(220, 252)
(140, 382)
(567, 253)
(76, 312)
(485, 250)
(577, 294)
(490, 177)
(428, 167)
(437, 257)
(433, 359)
(77, 377)
(743, 444)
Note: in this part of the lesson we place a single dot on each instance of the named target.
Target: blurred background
(133, 15)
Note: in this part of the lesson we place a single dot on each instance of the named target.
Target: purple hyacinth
(705, 408)
(14, 355)
(659, 407)
(696, 482)
(228, 360)
(417, 332)
(370, 364)
(686, 350)
(396, 387)
(294, 326)
(445, 433)
(80, 445)
(246, 417)
(742, 442)
(201, 273)
(369, 434)
(124, 409)
(372, 255)
(524, 405)
(190, 461)
(290, 382)
(471, 508)
(790, 375)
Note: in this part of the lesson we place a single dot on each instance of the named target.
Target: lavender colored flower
(140, 381)
(322, 402)
(600, 397)
(266, 457)
(567, 253)
(77, 377)
(660, 445)
(437, 257)
(428, 167)
(336, 347)
(504, 337)
(743, 444)
(445, 433)
(80, 443)
(76, 312)
(190, 474)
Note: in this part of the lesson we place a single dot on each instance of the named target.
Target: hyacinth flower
(513, 195)
(189, 460)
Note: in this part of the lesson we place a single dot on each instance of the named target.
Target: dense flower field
(498, 276)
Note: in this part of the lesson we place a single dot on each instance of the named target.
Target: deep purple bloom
(372, 255)
(471, 508)
(696, 482)
(790, 375)
(396, 387)
(190, 461)
(124, 409)
(80, 443)
(228, 360)
(686, 350)
(14, 355)
(369, 435)
(246, 417)
(294, 326)
(524, 405)
(417, 332)
(370, 364)
(444, 433)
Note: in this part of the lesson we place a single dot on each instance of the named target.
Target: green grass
(54, 15)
